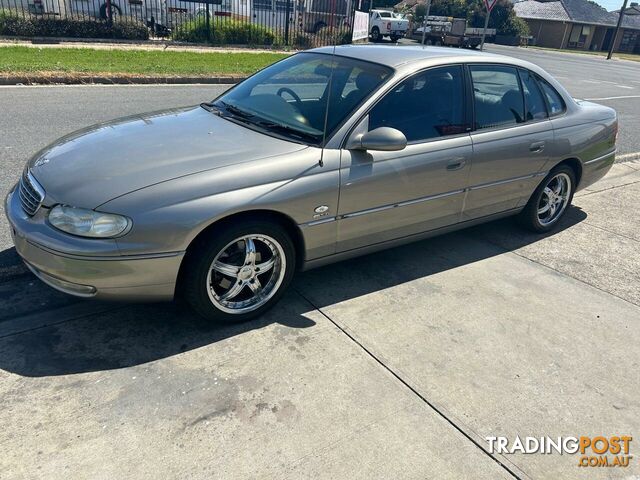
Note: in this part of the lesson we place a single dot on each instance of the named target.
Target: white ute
(383, 23)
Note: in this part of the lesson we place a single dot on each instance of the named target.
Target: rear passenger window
(425, 106)
(535, 107)
(497, 96)
(556, 104)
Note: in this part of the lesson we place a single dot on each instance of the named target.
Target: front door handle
(456, 163)
(536, 147)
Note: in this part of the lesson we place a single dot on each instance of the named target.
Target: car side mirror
(384, 139)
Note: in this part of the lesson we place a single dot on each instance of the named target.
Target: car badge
(41, 161)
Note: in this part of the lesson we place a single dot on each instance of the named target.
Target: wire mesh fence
(296, 23)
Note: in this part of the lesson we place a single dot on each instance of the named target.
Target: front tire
(375, 34)
(550, 200)
(239, 271)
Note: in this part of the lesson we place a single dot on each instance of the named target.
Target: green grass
(624, 56)
(29, 60)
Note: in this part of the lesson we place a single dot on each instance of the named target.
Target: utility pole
(615, 34)
(424, 21)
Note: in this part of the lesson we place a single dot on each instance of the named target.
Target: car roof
(397, 55)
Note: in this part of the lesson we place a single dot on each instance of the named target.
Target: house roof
(583, 11)
(578, 11)
(631, 17)
(541, 10)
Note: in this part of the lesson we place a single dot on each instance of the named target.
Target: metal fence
(298, 23)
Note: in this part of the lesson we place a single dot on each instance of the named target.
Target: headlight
(87, 223)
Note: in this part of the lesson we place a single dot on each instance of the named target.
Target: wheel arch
(279, 218)
(575, 165)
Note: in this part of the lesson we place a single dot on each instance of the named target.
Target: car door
(389, 195)
(511, 139)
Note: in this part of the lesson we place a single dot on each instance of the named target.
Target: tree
(421, 11)
(449, 8)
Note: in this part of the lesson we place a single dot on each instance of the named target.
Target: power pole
(615, 34)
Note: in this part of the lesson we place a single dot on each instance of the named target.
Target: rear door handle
(536, 147)
(456, 163)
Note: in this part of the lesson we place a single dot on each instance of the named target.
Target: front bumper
(75, 270)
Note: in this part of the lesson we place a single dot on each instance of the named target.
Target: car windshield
(290, 97)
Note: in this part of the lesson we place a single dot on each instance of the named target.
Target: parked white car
(383, 23)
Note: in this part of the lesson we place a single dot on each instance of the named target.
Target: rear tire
(394, 38)
(239, 271)
(550, 201)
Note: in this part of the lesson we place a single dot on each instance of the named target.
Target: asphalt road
(394, 365)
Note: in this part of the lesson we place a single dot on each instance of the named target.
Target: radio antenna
(326, 111)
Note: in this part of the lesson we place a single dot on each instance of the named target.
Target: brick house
(579, 24)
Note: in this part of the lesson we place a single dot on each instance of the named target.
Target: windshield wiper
(250, 118)
(236, 111)
(210, 107)
(281, 127)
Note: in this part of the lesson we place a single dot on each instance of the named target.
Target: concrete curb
(114, 80)
(628, 157)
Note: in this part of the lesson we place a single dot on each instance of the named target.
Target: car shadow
(40, 337)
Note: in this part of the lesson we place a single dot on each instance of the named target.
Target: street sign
(489, 4)
(360, 26)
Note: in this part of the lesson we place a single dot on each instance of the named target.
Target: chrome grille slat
(24, 199)
(31, 194)
(27, 193)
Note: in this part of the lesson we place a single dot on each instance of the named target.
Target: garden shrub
(32, 26)
(226, 32)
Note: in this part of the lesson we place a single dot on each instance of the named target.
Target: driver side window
(427, 105)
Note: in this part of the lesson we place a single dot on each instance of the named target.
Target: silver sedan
(320, 157)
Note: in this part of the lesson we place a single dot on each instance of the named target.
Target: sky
(612, 4)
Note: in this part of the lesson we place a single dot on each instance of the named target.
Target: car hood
(92, 166)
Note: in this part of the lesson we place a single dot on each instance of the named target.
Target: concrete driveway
(393, 365)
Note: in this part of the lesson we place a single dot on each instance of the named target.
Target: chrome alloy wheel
(554, 199)
(246, 273)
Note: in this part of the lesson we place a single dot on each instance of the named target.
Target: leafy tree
(449, 8)
(383, 3)
(420, 12)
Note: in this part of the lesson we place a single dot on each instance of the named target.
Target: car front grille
(31, 194)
